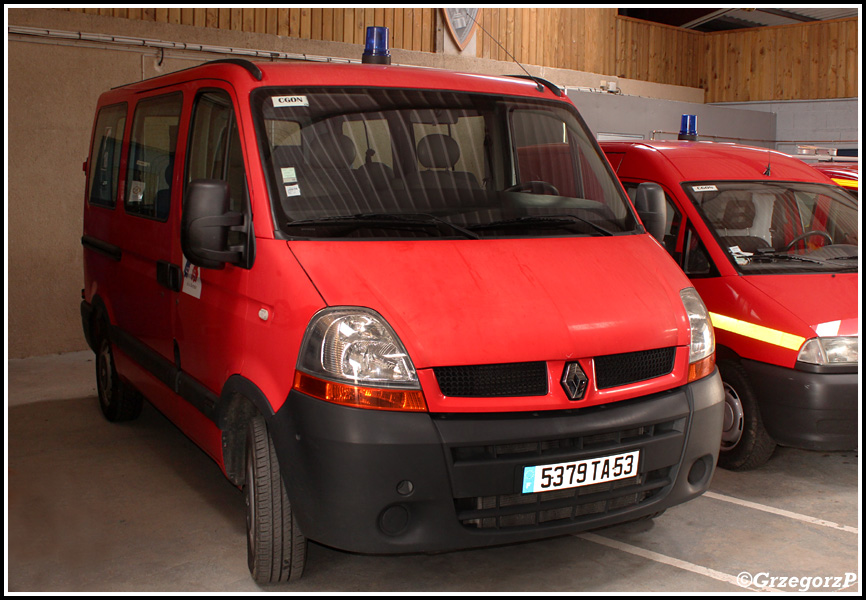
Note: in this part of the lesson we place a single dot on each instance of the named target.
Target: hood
(462, 302)
(825, 303)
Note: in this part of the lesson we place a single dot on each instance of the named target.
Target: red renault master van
(404, 309)
(771, 245)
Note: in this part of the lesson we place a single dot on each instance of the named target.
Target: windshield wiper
(384, 220)
(542, 220)
(771, 254)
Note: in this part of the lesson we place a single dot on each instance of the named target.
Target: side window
(696, 259)
(215, 147)
(104, 163)
(151, 156)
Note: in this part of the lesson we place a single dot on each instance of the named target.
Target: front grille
(622, 369)
(660, 444)
(555, 448)
(530, 378)
(573, 504)
(490, 381)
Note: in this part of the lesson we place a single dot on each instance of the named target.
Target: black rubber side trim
(163, 369)
(110, 250)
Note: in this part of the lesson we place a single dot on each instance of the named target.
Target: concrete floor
(96, 507)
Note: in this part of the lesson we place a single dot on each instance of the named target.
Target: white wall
(830, 123)
(622, 114)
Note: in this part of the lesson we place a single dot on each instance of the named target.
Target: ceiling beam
(707, 18)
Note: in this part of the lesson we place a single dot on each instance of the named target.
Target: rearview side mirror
(206, 223)
(650, 204)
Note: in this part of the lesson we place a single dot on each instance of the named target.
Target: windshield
(780, 227)
(381, 164)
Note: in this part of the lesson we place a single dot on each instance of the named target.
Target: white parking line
(780, 512)
(673, 562)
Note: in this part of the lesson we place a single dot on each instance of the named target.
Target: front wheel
(116, 400)
(745, 443)
(276, 548)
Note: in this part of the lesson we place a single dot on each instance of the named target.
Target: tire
(117, 401)
(276, 548)
(745, 443)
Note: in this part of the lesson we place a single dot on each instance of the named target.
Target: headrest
(739, 214)
(438, 151)
(331, 152)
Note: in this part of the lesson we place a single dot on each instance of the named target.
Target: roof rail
(549, 85)
(241, 62)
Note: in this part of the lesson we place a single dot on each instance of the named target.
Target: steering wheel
(808, 234)
(535, 187)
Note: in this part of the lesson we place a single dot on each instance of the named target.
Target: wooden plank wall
(659, 53)
(410, 28)
(804, 61)
(788, 62)
(581, 39)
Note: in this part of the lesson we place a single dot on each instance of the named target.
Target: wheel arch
(240, 401)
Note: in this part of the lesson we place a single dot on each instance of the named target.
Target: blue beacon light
(688, 128)
(376, 51)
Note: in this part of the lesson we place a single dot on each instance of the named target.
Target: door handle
(169, 275)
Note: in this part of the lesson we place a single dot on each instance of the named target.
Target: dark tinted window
(104, 164)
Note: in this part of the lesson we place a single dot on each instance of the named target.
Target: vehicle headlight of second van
(702, 345)
(830, 351)
(352, 356)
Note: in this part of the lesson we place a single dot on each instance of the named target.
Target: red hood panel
(816, 299)
(461, 302)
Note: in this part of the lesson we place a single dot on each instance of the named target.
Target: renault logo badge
(574, 381)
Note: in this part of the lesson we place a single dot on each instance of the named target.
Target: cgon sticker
(704, 188)
(289, 101)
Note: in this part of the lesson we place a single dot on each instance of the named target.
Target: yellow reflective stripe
(849, 183)
(757, 332)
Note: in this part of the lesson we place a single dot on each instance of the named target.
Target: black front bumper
(813, 410)
(389, 482)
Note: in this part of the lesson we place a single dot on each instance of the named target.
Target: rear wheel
(276, 548)
(745, 442)
(117, 401)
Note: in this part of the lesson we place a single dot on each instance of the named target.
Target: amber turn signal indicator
(701, 368)
(359, 396)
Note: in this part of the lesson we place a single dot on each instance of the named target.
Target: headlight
(702, 345)
(352, 356)
(830, 351)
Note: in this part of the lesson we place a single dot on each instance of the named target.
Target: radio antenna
(528, 74)
(769, 160)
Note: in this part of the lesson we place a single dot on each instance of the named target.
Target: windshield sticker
(293, 190)
(191, 279)
(289, 101)
(741, 257)
(704, 188)
(136, 192)
(289, 175)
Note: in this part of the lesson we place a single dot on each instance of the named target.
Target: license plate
(544, 478)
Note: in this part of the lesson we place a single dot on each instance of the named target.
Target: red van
(771, 245)
(404, 309)
(844, 174)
